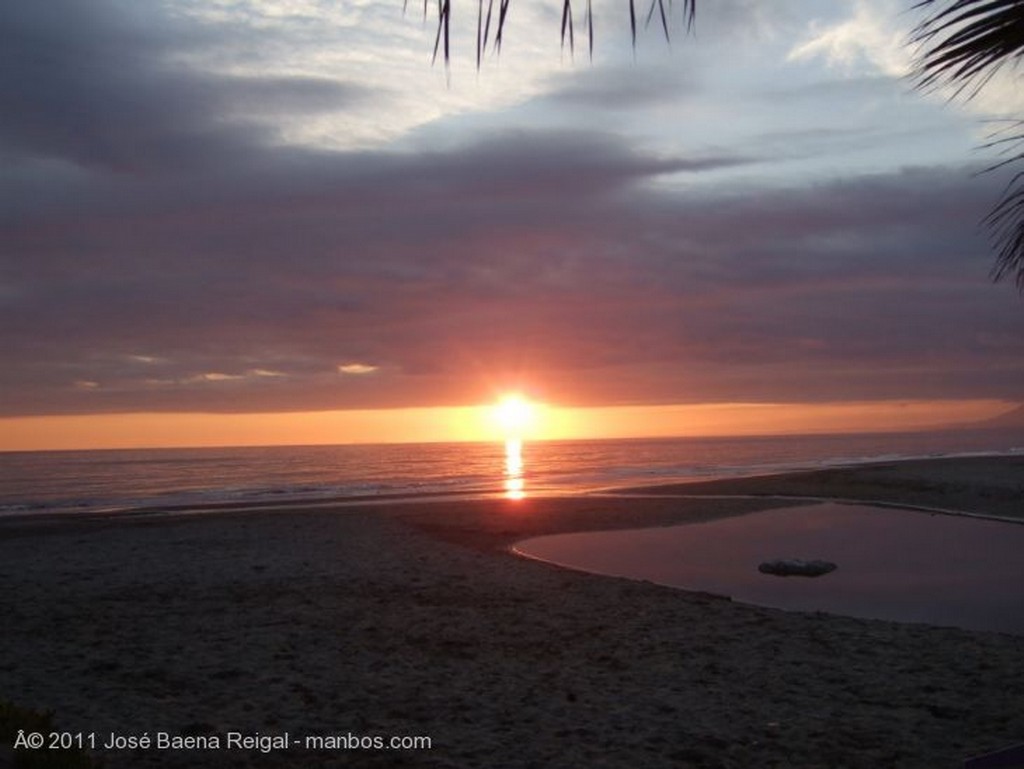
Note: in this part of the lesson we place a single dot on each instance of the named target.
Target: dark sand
(411, 619)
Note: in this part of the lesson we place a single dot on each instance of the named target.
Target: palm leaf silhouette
(568, 31)
(963, 44)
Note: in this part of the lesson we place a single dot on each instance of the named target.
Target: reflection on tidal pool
(893, 564)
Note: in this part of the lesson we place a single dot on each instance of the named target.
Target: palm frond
(1007, 224)
(568, 28)
(1006, 221)
(444, 8)
(567, 18)
(487, 30)
(965, 43)
(502, 12)
(590, 30)
(632, 23)
(660, 6)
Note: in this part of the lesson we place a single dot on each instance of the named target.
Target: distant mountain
(1012, 418)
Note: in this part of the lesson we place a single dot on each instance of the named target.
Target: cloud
(357, 369)
(194, 276)
(163, 247)
(532, 255)
(870, 40)
(619, 88)
(96, 86)
(213, 376)
(876, 39)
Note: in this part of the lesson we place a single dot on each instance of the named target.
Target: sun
(514, 415)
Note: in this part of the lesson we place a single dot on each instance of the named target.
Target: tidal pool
(894, 564)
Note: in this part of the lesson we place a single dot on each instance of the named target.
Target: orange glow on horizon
(479, 423)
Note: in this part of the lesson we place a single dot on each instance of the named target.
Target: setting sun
(514, 415)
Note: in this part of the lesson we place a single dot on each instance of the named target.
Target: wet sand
(412, 619)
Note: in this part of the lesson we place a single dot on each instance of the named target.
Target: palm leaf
(963, 44)
(632, 23)
(1007, 224)
(487, 25)
(660, 6)
(966, 43)
(1006, 221)
(567, 18)
(443, 15)
(590, 31)
(483, 24)
(502, 11)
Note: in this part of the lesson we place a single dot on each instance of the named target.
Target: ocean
(124, 480)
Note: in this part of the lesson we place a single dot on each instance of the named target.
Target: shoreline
(787, 484)
(408, 618)
(73, 506)
(984, 485)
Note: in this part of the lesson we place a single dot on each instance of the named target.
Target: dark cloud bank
(159, 249)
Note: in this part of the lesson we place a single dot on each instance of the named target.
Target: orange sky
(152, 430)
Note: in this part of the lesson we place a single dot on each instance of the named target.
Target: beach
(412, 619)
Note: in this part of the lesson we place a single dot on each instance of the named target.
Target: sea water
(114, 480)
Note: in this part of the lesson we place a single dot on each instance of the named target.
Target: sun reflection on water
(515, 481)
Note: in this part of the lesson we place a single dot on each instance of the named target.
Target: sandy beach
(412, 619)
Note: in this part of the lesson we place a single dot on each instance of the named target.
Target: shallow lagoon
(894, 564)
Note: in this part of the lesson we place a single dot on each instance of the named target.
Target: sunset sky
(279, 207)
